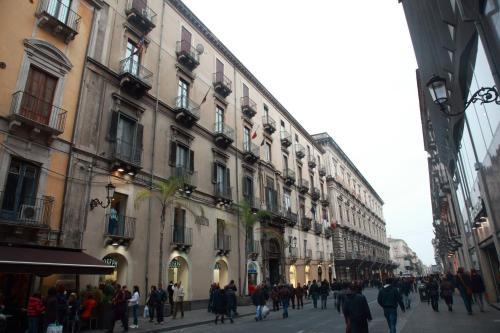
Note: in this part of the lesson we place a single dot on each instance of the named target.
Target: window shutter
(114, 125)
(139, 136)
(245, 90)
(245, 186)
(227, 180)
(214, 172)
(173, 153)
(191, 161)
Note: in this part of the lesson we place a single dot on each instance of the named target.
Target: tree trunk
(162, 230)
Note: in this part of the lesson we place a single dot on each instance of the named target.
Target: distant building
(406, 259)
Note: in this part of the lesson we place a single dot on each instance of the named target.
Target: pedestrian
(284, 295)
(308, 289)
(324, 290)
(234, 303)
(34, 311)
(88, 307)
(62, 303)
(119, 303)
(230, 296)
(50, 305)
(356, 311)
(299, 294)
(433, 292)
(389, 299)
(257, 300)
(73, 312)
(134, 303)
(220, 304)
(211, 298)
(478, 289)
(292, 294)
(160, 298)
(406, 288)
(314, 293)
(447, 287)
(275, 297)
(151, 302)
(178, 299)
(465, 288)
(170, 292)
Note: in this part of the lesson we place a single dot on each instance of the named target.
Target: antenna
(200, 48)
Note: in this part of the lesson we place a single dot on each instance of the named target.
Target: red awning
(45, 261)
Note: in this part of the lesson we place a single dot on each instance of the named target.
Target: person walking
(259, 301)
(299, 294)
(34, 311)
(211, 298)
(389, 299)
(324, 290)
(308, 289)
(284, 295)
(151, 302)
(220, 304)
(314, 292)
(433, 292)
(50, 305)
(464, 286)
(275, 297)
(119, 309)
(230, 296)
(292, 294)
(356, 311)
(478, 289)
(134, 303)
(406, 288)
(447, 287)
(160, 298)
(178, 299)
(234, 303)
(73, 319)
(170, 292)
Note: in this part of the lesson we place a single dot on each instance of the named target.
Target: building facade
(458, 42)
(407, 260)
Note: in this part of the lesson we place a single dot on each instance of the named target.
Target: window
(127, 134)
(305, 248)
(311, 180)
(38, 96)
(285, 162)
(220, 233)
(20, 188)
(266, 111)
(340, 212)
(246, 139)
(185, 40)
(179, 225)
(59, 9)
(248, 189)
(245, 90)
(182, 94)
(287, 201)
(132, 58)
(296, 138)
(221, 178)
(182, 158)
(302, 208)
(267, 151)
(299, 169)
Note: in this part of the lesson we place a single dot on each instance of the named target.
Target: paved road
(419, 319)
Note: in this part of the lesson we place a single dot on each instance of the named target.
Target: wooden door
(38, 96)
(185, 40)
(219, 70)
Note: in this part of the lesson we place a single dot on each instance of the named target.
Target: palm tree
(164, 192)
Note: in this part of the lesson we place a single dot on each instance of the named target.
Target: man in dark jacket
(160, 298)
(356, 311)
(324, 290)
(389, 299)
(465, 287)
(314, 292)
(406, 288)
(170, 292)
(258, 299)
(477, 286)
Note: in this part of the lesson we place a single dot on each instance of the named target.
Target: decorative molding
(185, 72)
(179, 132)
(122, 99)
(220, 154)
(43, 49)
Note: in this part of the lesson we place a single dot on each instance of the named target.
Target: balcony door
(132, 58)
(287, 201)
(59, 9)
(248, 189)
(219, 119)
(179, 225)
(185, 40)
(38, 97)
(220, 233)
(125, 137)
(20, 189)
(117, 220)
(182, 94)
(246, 139)
(219, 70)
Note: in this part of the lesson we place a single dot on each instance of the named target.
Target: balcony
(328, 233)
(318, 228)
(181, 237)
(300, 152)
(187, 55)
(248, 107)
(325, 200)
(293, 254)
(252, 201)
(126, 155)
(119, 229)
(311, 161)
(320, 256)
(286, 139)
(251, 152)
(269, 124)
(305, 223)
(303, 186)
(289, 176)
(222, 84)
(25, 211)
(139, 14)
(322, 171)
(135, 78)
(189, 178)
(288, 216)
(330, 177)
(37, 114)
(223, 194)
(308, 255)
(223, 135)
(315, 193)
(253, 249)
(58, 18)
(186, 111)
(222, 244)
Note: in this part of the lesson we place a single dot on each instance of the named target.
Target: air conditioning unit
(29, 214)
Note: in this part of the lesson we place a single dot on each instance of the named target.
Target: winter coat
(313, 289)
(447, 289)
(230, 297)
(324, 289)
(220, 302)
(406, 287)
(284, 294)
(258, 297)
(433, 288)
(389, 297)
(299, 292)
(357, 312)
(51, 309)
(35, 307)
(477, 284)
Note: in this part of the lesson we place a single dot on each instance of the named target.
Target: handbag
(146, 311)
(265, 310)
(55, 328)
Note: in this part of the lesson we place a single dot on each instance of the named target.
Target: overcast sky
(347, 68)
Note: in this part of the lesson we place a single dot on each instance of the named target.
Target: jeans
(178, 306)
(435, 302)
(315, 300)
(135, 308)
(391, 315)
(258, 312)
(33, 324)
(159, 312)
(478, 298)
(285, 304)
(300, 302)
(467, 301)
(406, 301)
(323, 301)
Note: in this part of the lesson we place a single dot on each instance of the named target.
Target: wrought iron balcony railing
(318, 228)
(223, 191)
(128, 152)
(311, 161)
(184, 104)
(305, 222)
(303, 186)
(225, 130)
(119, 226)
(269, 124)
(320, 255)
(315, 193)
(133, 67)
(286, 138)
(289, 176)
(181, 236)
(59, 18)
(251, 151)
(187, 54)
(38, 113)
(29, 211)
(140, 14)
(322, 170)
(248, 107)
(222, 84)
(308, 253)
(188, 177)
(300, 152)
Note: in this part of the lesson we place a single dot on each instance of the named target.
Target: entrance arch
(306, 273)
(293, 275)
(274, 261)
(178, 271)
(119, 275)
(253, 276)
(221, 273)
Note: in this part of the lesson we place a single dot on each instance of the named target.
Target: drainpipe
(150, 201)
(237, 187)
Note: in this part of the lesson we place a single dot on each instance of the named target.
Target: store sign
(110, 261)
(252, 268)
(217, 266)
(174, 264)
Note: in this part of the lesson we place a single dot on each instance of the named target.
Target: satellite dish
(200, 49)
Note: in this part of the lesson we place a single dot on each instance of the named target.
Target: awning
(45, 261)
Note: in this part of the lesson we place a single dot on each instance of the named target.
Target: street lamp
(439, 94)
(110, 190)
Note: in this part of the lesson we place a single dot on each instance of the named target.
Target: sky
(347, 68)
